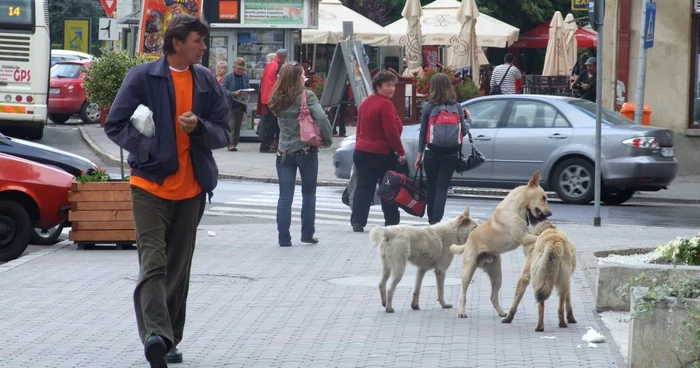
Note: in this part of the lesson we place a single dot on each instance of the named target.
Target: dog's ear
(466, 212)
(535, 180)
(464, 217)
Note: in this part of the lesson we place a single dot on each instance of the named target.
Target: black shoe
(174, 356)
(285, 244)
(358, 228)
(310, 240)
(155, 350)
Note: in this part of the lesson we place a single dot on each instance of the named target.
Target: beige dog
(550, 264)
(426, 247)
(504, 231)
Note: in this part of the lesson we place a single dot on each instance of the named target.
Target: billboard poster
(76, 35)
(156, 16)
(274, 12)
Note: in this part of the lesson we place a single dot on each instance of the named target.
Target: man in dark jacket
(172, 172)
(233, 84)
(586, 81)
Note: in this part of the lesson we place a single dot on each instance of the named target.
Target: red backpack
(444, 130)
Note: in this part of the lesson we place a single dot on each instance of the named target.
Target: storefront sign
(579, 5)
(157, 14)
(281, 13)
(76, 35)
(229, 10)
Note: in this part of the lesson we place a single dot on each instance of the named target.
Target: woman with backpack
(293, 155)
(443, 126)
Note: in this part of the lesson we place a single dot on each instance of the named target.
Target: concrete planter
(653, 336)
(613, 275)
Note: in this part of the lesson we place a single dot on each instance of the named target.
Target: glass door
(221, 47)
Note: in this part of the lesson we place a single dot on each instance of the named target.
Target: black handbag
(475, 159)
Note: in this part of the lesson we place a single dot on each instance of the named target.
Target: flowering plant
(465, 90)
(316, 85)
(681, 250)
(97, 174)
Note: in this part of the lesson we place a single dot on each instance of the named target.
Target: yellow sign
(579, 5)
(76, 35)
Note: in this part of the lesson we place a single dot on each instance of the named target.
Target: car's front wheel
(15, 230)
(573, 180)
(46, 236)
(90, 113)
(617, 197)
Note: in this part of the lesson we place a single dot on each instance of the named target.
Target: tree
(59, 10)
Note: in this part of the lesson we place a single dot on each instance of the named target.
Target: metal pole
(641, 68)
(600, 9)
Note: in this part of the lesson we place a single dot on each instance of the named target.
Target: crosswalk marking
(330, 210)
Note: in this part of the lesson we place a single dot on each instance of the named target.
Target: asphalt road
(237, 202)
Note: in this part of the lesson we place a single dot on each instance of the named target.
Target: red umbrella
(538, 37)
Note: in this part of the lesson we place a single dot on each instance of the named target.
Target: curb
(491, 192)
(33, 256)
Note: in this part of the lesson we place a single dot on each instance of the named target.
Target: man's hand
(236, 93)
(188, 122)
(402, 159)
(585, 86)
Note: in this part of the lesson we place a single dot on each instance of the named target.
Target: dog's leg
(493, 269)
(416, 290)
(569, 311)
(467, 274)
(519, 291)
(386, 272)
(397, 271)
(560, 311)
(440, 280)
(540, 317)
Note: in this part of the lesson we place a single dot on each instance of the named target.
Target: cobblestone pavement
(254, 304)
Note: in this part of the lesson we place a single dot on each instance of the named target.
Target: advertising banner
(156, 15)
(274, 12)
(76, 35)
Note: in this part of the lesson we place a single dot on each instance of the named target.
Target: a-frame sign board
(349, 64)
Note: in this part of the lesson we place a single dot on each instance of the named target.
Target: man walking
(234, 83)
(270, 129)
(504, 76)
(172, 171)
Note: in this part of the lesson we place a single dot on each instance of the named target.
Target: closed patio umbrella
(555, 59)
(570, 42)
(463, 50)
(413, 41)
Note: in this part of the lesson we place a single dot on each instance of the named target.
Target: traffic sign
(108, 30)
(649, 25)
(579, 5)
(109, 6)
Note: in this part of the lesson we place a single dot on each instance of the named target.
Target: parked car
(66, 161)
(520, 134)
(67, 95)
(62, 55)
(32, 195)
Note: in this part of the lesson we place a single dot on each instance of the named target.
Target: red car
(67, 95)
(32, 195)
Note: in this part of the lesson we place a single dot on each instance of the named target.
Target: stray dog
(550, 264)
(504, 231)
(426, 247)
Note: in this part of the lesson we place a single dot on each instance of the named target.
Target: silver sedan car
(520, 134)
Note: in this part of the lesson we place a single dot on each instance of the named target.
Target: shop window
(254, 46)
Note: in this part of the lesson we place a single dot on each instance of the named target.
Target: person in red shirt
(268, 123)
(378, 148)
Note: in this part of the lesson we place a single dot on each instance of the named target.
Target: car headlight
(347, 142)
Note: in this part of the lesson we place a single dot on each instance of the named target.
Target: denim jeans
(439, 169)
(287, 174)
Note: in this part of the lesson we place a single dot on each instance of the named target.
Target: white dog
(426, 247)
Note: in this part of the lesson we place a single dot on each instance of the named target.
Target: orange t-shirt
(182, 184)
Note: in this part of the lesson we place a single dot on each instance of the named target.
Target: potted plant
(316, 85)
(100, 210)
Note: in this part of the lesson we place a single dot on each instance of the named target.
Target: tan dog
(504, 231)
(550, 264)
(426, 247)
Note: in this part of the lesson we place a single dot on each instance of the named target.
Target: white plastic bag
(142, 119)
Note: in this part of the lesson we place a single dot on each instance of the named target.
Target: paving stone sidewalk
(249, 163)
(254, 304)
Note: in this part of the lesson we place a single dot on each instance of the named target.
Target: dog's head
(465, 226)
(536, 206)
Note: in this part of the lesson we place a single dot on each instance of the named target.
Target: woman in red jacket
(378, 148)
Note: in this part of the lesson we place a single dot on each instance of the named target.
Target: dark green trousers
(166, 232)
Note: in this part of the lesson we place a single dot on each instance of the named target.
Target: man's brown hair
(181, 27)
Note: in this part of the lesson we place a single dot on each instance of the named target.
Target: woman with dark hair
(378, 148)
(293, 155)
(441, 152)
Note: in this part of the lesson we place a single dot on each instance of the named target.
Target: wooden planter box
(101, 213)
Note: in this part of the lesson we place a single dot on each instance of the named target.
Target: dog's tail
(545, 269)
(457, 249)
(376, 236)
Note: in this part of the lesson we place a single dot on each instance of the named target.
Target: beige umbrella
(570, 43)
(464, 51)
(413, 40)
(555, 57)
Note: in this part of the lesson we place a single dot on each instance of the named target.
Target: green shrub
(106, 74)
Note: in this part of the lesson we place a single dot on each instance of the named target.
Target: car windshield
(608, 116)
(65, 70)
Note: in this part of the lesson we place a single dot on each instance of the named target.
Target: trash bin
(627, 111)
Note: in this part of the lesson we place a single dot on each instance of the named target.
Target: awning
(331, 14)
(538, 37)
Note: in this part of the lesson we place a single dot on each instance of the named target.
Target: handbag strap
(505, 75)
(303, 99)
(415, 176)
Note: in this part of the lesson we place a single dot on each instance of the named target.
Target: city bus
(25, 57)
